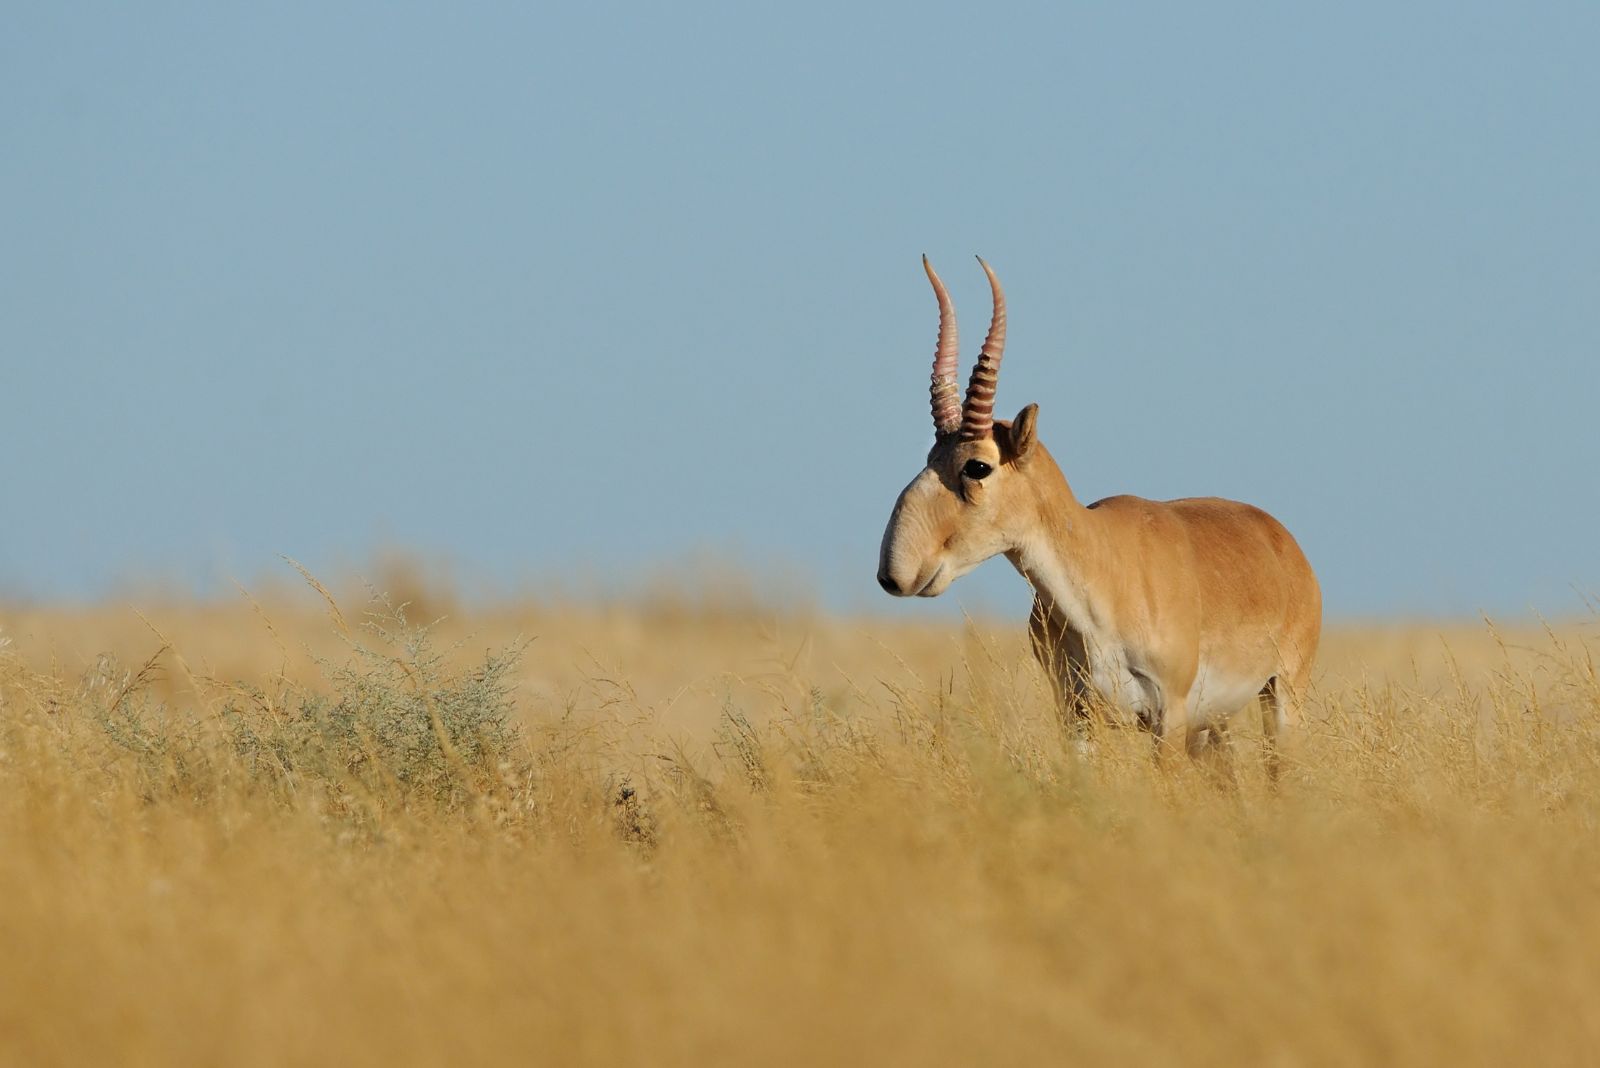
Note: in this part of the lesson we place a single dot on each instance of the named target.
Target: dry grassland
(675, 833)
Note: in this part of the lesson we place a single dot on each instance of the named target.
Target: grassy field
(271, 831)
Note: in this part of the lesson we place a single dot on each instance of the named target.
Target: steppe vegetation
(290, 829)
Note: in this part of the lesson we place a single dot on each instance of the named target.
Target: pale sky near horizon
(553, 290)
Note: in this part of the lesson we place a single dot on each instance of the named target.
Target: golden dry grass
(729, 836)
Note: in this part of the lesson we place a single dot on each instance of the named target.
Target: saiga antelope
(1170, 614)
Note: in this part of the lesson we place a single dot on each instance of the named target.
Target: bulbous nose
(888, 583)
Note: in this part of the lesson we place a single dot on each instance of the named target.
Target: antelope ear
(1023, 429)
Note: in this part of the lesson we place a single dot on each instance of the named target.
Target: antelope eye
(976, 470)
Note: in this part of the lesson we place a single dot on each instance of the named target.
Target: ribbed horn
(977, 415)
(946, 361)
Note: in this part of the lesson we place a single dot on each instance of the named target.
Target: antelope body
(1172, 615)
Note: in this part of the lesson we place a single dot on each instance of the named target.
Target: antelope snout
(898, 576)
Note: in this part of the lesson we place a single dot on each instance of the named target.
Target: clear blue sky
(543, 289)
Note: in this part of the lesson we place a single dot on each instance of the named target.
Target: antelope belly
(1218, 694)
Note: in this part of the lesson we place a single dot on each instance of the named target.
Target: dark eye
(976, 470)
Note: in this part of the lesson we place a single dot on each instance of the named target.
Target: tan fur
(1174, 614)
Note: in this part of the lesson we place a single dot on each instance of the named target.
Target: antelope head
(975, 498)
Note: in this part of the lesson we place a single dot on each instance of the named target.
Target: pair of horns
(974, 418)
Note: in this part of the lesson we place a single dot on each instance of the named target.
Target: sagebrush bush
(393, 723)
